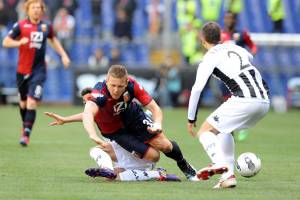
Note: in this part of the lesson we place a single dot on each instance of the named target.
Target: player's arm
(55, 44)
(88, 115)
(13, 40)
(250, 43)
(204, 71)
(156, 115)
(60, 120)
(8, 42)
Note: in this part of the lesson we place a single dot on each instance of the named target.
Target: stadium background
(278, 61)
(52, 166)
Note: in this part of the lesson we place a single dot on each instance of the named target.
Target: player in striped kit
(30, 36)
(248, 104)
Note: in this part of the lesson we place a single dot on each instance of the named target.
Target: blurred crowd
(189, 16)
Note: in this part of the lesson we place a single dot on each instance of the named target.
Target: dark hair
(234, 15)
(86, 90)
(211, 32)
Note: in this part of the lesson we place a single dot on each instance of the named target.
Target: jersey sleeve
(141, 94)
(249, 42)
(97, 96)
(15, 32)
(204, 71)
(51, 34)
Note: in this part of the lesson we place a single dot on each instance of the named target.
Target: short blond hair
(117, 71)
(29, 2)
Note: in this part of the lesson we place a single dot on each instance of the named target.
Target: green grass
(52, 166)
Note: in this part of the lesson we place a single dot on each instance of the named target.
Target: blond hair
(117, 71)
(29, 2)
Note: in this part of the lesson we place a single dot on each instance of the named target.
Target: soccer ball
(248, 164)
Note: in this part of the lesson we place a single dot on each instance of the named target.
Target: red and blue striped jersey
(32, 54)
(109, 116)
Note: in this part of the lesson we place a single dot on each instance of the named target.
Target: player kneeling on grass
(127, 167)
(113, 108)
(115, 163)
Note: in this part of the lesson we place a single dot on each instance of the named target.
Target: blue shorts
(136, 122)
(135, 136)
(31, 85)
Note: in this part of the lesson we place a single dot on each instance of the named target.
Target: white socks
(102, 159)
(212, 146)
(227, 145)
(139, 175)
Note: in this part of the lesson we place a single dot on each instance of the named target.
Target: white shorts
(127, 160)
(238, 113)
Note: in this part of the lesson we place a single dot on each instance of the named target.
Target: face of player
(35, 12)
(116, 86)
(229, 21)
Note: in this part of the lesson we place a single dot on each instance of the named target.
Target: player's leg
(173, 151)
(133, 169)
(146, 175)
(102, 158)
(227, 144)
(22, 109)
(231, 115)
(138, 128)
(227, 179)
(104, 162)
(134, 146)
(208, 138)
(22, 84)
(23, 90)
(35, 88)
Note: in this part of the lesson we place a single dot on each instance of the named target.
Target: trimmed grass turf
(52, 167)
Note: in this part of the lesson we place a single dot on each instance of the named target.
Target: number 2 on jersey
(240, 58)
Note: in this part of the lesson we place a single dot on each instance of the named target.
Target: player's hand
(66, 61)
(155, 128)
(23, 41)
(59, 120)
(190, 127)
(105, 146)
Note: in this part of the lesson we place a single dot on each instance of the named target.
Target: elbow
(4, 43)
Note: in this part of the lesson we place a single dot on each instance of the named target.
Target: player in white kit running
(248, 104)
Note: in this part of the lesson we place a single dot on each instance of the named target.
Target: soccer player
(120, 119)
(248, 104)
(241, 38)
(231, 34)
(127, 167)
(30, 36)
(114, 162)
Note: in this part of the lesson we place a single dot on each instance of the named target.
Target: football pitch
(53, 165)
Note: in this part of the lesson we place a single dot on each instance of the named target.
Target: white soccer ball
(248, 164)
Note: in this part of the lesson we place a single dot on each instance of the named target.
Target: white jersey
(232, 65)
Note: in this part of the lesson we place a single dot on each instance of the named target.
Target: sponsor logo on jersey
(119, 107)
(27, 25)
(36, 39)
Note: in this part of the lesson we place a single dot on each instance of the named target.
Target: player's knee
(152, 155)
(94, 151)
(31, 103)
(166, 146)
(22, 104)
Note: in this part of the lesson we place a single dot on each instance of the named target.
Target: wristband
(157, 125)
